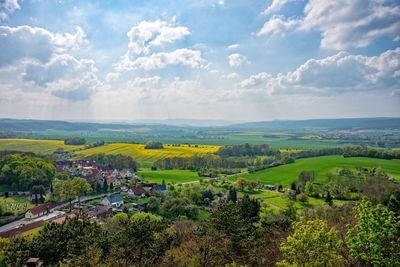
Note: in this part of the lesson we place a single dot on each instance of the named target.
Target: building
(138, 191)
(114, 201)
(40, 210)
(125, 173)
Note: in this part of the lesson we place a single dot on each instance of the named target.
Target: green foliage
(311, 244)
(302, 197)
(375, 239)
(154, 145)
(24, 171)
(247, 150)
(75, 141)
(232, 196)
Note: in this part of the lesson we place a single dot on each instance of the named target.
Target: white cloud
(146, 82)
(232, 75)
(255, 80)
(276, 5)
(343, 23)
(236, 60)
(276, 25)
(153, 33)
(8, 7)
(182, 56)
(112, 76)
(336, 74)
(233, 46)
(25, 42)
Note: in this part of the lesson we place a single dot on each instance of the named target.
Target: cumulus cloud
(144, 82)
(230, 76)
(233, 46)
(276, 5)
(8, 7)
(343, 23)
(336, 74)
(236, 60)
(255, 80)
(153, 33)
(277, 25)
(25, 42)
(184, 56)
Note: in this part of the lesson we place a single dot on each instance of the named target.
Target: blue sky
(205, 59)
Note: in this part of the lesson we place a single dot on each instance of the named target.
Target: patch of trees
(76, 141)
(117, 161)
(98, 143)
(21, 172)
(154, 145)
(370, 152)
(247, 150)
(196, 163)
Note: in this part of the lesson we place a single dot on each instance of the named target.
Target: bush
(302, 197)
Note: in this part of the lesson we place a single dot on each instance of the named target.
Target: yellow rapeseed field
(147, 156)
(36, 146)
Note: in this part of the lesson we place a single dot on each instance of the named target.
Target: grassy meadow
(148, 156)
(35, 146)
(287, 173)
(170, 176)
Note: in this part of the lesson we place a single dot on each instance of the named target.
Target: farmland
(170, 176)
(148, 156)
(36, 146)
(287, 173)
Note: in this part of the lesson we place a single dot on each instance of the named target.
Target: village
(116, 192)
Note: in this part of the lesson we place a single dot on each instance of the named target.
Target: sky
(246, 60)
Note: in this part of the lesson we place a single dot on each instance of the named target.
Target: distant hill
(181, 125)
(332, 124)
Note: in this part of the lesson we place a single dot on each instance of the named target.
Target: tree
(67, 191)
(302, 197)
(375, 239)
(232, 196)
(241, 183)
(111, 187)
(38, 190)
(81, 187)
(98, 188)
(328, 199)
(394, 203)
(311, 244)
(105, 186)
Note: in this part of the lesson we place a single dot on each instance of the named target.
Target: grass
(312, 202)
(20, 206)
(36, 146)
(287, 173)
(260, 194)
(31, 233)
(148, 156)
(170, 176)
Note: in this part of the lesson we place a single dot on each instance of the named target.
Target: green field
(287, 173)
(170, 176)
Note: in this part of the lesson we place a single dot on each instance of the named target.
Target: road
(17, 223)
(219, 177)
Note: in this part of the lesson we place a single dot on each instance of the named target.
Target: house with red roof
(125, 173)
(40, 210)
(137, 191)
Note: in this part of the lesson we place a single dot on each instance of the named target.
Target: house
(125, 173)
(270, 187)
(138, 191)
(112, 173)
(100, 212)
(34, 262)
(39, 210)
(114, 201)
(63, 218)
(114, 181)
(160, 187)
(39, 197)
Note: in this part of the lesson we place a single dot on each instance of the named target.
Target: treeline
(371, 153)
(98, 143)
(154, 145)
(247, 150)
(117, 161)
(75, 141)
(196, 163)
(22, 171)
